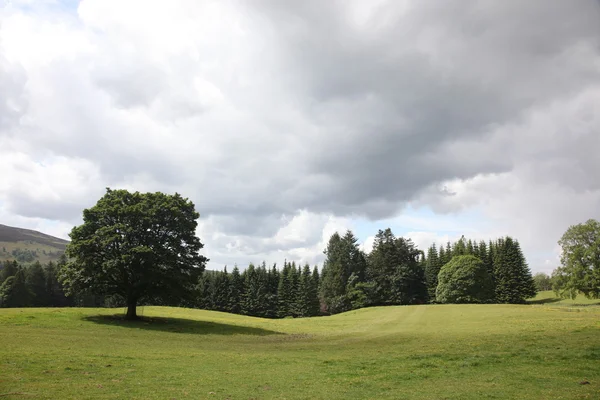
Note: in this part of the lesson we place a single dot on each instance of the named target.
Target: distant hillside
(27, 246)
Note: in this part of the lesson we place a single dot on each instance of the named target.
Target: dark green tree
(284, 292)
(14, 291)
(395, 271)
(343, 258)
(35, 280)
(220, 291)
(236, 291)
(316, 302)
(513, 281)
(464, 280)
(304, 293)
(10, 269)
(255, 291)
(141, 246)
(432, 269)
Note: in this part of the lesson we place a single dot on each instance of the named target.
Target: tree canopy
(464, 279)
(139, 246)
(580, 259)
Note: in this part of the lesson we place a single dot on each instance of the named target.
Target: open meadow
(546, 350)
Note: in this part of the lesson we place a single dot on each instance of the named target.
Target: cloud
(281, 119)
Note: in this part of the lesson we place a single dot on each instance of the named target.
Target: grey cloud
(309, 109)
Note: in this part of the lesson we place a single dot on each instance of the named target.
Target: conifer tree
(14, 291)
(271, 300)
(203, 291)
(220, 291)
(54, 291)
(10, 269)
(255, 291)
(513, 280)
(432, 269)
(36, 283)
(315, 305)
(343, 258)
(303, 295)
(470, 247)
(284, 291)
(236, 290)
(395, 271)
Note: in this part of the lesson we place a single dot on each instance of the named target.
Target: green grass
(539, 351)
(549, 298)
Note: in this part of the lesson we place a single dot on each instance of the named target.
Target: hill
(27, 246)
(538, 351)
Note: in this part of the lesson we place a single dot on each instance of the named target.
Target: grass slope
(47, 248)
(415, 352)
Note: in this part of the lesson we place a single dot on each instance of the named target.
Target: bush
(464, 279)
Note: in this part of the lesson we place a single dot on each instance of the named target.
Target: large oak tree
(140, 246)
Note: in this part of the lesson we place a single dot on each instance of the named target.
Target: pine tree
(271, 302)
(284, 292)
(303, 295)
(432, 269)
(470, 247)
(343, 258)
(316, 301)
(513, 280)
(395, 271)
(236, 289)
(383, 262)
(255, 291)
(460, 247)
(36, 283)
(220, 291)
(14, 291)
(203, 291)
(10, 269)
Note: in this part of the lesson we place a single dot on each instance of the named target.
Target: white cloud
(287, 122)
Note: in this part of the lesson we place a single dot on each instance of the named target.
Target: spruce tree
(315, 303)
(470, 247)
(10, 269)
(56, 297)
(220, 291)
(255, 291)
(236, 290)
(284, 292)
(303, 295)
(272, 303)
(203, 291)
(395, 271)
(343, 258)
(513, 280)
(432, 269)
(14, 291)
(36, 282)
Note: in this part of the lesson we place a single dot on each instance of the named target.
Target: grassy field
(546, 350)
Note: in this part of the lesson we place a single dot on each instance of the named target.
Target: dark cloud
(343, 108)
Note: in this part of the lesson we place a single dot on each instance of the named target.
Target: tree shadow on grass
(544, 301)
(179, 325)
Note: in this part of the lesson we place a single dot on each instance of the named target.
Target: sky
(286, 121)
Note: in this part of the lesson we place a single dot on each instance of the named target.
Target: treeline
(38, 285)
(504, 262)
(261, 291)
(395, 272)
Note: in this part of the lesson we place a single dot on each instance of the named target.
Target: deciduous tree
(141, 246)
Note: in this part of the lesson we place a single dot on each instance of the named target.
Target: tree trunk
(131, 309)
